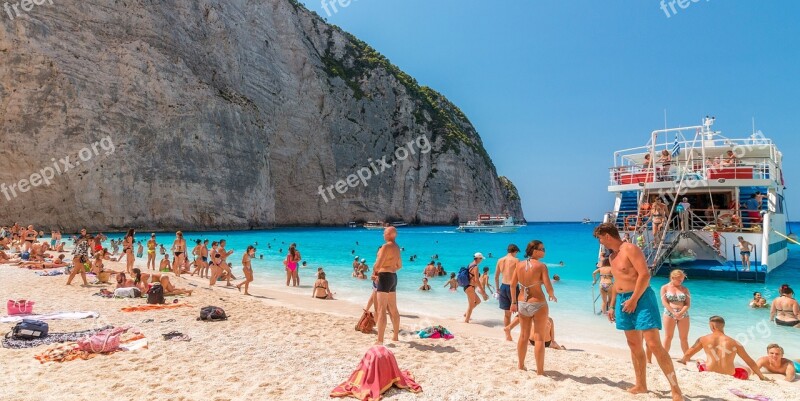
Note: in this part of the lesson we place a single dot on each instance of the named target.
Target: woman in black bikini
(321, 289)
(30, 238)
(127, 249)
(785, 310)
(179, 248)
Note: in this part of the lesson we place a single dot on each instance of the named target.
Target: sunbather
(170, 289)
(45, 265)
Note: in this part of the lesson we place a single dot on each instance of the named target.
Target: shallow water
(573, 243)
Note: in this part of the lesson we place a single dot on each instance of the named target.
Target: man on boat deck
(635, 308)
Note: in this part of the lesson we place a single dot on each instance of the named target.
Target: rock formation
(217, 114)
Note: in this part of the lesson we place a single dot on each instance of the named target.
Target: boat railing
(696, 145)
(746, 168)
(724, 220)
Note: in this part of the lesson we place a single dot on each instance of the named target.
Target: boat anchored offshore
(490, 224)
(706, 197)
(374, 225)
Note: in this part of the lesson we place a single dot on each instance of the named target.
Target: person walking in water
(505, 269)
(387, 263)
(248, 269)
(474, 285)
(530, 304)
(634, 308)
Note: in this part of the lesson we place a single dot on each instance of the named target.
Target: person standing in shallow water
(248, 269)
(127, 249)
(387, 263)
(634, 308)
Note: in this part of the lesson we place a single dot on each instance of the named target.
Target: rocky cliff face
(217, 114)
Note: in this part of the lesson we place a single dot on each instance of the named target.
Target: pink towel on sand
(377, 372)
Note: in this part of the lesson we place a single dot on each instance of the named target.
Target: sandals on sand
(176, 336)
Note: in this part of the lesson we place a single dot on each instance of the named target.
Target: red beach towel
(377, 372)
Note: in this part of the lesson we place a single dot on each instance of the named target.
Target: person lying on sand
(45, 265)
(774, 362)
(722, 351)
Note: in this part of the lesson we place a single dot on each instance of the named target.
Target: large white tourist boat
(690, 193)
(490, 224)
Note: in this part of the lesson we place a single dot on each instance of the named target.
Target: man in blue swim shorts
(505, 268)
(635, 308)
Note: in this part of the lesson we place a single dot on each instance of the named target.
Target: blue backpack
(463, 277)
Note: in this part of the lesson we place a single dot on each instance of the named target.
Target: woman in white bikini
(606, 280)
(248, 269)
(531, 304)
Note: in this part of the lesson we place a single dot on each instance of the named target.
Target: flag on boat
(676, 148)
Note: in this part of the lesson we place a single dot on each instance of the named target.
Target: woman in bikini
(291, 266)
(248, 269)
(29, 238)
(453, 283)
(666, 162)
(321, 289)
(127, 249)
(141, 280)
(606, 280)
(676, 300)
(785, 310)
(531, 304)
(216, 269)
(151, 252)
(179, 248)
(198, 258)
(170, 290)
(659, 211)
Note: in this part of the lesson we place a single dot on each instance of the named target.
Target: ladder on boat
(657, 255)
(697, 238)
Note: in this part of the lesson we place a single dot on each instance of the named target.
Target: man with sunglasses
(635, 308)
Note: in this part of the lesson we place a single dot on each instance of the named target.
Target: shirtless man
(635, 308)
(430, 270)
(505, 268)
(225, 266)
(164, 263)
(387, 263)
(721, 351)
(774, 362)
(179, 248)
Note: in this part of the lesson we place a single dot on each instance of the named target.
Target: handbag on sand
(20, 307)
(103, 341)
(366, 323)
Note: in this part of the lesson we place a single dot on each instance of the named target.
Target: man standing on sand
(635, 308)
(505, 268)
(387, 263)
(721, 351)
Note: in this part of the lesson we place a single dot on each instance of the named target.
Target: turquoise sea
(573, 243)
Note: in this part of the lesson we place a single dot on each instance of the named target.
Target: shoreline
(259, 348)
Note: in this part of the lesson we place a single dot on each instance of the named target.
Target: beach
(281, 344)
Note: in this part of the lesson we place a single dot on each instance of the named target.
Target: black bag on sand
(29, 329)
(155, 295)
(212, 313)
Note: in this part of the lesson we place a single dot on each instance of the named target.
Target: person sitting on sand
(425, 286)
(97, 265)
(722, 351)
(453, 283)
(774, 362)
(321, 289)
(549, 337)
(758, 301)
(171, 290)
(140, 280)
(164, 265)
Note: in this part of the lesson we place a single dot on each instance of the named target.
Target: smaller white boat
(399, 223)
(490, 224)
(374, 225)
(587, 221)
(352, 224)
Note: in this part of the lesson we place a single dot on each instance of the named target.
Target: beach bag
(25, 256)
(131, 292)
(29, 329)
(366, 323)
(20, 307)
(212, 314)
(155, 295)
(463, 277)
(100, 342)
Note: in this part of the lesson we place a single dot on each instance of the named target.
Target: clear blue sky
(554, 87)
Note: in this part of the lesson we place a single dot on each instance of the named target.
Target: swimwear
(786, 323)
(645, 317)
(151, 251)
(546, 343)
(672, 313)
(204, 258)
(675, 297)
(387, 282)
(178, 254)
(739, 373)
(325, 297)
(525, 308)
(504, 296)
(745, 253)
(605, 286)
(291, 266)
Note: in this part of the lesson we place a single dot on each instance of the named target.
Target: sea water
(572, 244)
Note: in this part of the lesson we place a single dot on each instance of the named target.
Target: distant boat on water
(587, 221)
(374, 225)
(490, 224)
(399, 223)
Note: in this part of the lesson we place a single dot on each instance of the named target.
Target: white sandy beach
(283, 345)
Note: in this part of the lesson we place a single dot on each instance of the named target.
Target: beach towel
(51, 338)
(71, 351)
(147, 307)
(377, 373)
(435, 332)
(51, 316)
(50, 273)
(741, 394)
